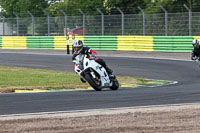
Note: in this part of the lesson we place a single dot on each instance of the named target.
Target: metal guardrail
(121, 43)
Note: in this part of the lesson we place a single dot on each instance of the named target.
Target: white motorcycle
(94, 73)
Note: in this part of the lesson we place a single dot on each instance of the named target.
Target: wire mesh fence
(162, 24)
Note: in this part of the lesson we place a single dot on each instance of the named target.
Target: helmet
(195, 43)
(78, 46)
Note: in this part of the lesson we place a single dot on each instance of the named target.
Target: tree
(127, 6)
(71, 7)
(22, 6)
(172, 6)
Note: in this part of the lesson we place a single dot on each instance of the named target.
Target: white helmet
(195, 43)
(78, 46)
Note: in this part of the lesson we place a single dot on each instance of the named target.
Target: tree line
(70, 7)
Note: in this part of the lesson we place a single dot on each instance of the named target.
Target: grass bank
(15, 78)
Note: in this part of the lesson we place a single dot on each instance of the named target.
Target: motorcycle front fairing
(105, 80)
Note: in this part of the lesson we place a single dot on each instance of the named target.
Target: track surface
(187, 73)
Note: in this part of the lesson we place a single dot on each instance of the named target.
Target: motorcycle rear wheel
(92, 82)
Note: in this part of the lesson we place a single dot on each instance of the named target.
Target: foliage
(89, 7)
(71, 7)
(22, 6)
(171, 6)
(127, 6)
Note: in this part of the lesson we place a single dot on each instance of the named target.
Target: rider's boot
(82, 80)
(109, 71)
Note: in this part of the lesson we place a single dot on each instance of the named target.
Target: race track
(187, 90)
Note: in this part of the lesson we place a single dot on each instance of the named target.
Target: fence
(121, 43)
(162, 24)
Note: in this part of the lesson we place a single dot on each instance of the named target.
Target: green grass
(14, 78)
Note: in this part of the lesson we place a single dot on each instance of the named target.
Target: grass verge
(15, 78)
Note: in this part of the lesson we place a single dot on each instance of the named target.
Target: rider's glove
(92, 57)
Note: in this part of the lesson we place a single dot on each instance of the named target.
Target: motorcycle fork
(95, 76)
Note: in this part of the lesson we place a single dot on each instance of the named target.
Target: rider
(196, 50)
(79, 48)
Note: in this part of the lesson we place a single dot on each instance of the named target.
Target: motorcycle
(95, 74)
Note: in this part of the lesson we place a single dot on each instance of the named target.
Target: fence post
(143, 14)
(33, 23)
(65, 19)
(48, 19)
(166, 20)
(122, 20)
(3, 23)
(83, 21)
(17, 22)
(190, 18)
(102, 21)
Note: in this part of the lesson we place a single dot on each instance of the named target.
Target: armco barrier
(40, 42)
(101, 42)
(0, 41)
(172, 43)
(60, 42)
(135, 43)
(13, 43)
(121, 43)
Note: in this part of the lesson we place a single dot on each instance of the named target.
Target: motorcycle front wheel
(92, 82)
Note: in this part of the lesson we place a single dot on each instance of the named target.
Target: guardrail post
(3, 23)
(122, 20)
(102, 21)
(33, 23)
(48, 19)
(17, 22)
(166, 20)
(83, 21)
(143, 14)
(190, 19)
